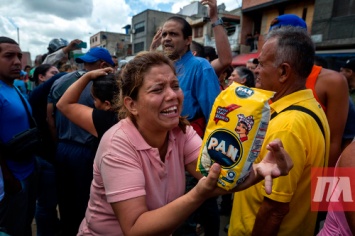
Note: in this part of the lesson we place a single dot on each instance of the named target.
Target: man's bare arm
(222, 43)
(269, 217)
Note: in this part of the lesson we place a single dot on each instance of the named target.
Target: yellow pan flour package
(235, 133)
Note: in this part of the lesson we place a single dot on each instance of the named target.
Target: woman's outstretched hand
(207, 186)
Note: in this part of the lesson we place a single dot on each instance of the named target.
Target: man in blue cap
(94, 55)
(76, 148)
(285, 61)
(287, 19)
(328, 87)
(329, 90)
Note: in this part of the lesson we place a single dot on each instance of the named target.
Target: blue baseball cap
(23, 73)
(95, 54)
(288, 19)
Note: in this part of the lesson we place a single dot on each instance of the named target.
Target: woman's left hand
(99, 72)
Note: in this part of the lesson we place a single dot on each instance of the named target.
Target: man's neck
(9, 82)
(176, 57)
(286, 91)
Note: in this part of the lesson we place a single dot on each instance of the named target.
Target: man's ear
(194, 53)
(107, 105)
(130, 105)
(284, 72)
(189, 40)
(104, 64)
(41, 78)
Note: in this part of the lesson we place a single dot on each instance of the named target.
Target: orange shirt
(311, 83)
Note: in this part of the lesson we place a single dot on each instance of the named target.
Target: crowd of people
(106, 148)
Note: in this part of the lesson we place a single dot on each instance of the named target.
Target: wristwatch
(217, 22)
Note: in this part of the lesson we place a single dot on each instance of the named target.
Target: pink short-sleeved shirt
(126, 167)
(335, 224)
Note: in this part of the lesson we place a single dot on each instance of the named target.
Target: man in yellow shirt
(285, 62)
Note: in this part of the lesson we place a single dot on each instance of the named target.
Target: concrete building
(201, 26)
(333, 30)
(258, 14)
(26, 59)
(146, 23)
(330, 23)
(144, 27)
(117, 44)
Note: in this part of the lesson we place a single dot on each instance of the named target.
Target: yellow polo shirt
(304, 142)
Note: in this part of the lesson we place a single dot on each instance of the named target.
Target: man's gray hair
(295, 47)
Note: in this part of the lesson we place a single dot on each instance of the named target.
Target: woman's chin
(172, 124)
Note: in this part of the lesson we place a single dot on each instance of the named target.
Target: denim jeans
(74, 165)
(46, 208)
(17, 210)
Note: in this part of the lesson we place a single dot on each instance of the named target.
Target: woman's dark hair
(132, 78)
(40, 70)
(198, 48)
(244, 72)
(27, 67)
(228, 71)
(210, 52)
(106, 88)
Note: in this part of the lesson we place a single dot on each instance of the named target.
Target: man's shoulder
(200, 66)
(330, 76)
(199, 60)
(62, 79)
(60, 85)
(302, 100)
(330, 85)
(4, 91)
(65, 79)
(189, 59)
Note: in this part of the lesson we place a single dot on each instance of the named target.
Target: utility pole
(17, 28)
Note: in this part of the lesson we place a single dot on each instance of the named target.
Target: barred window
(139, 27)
(198, 31)
(138, 47)
(343, 8)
